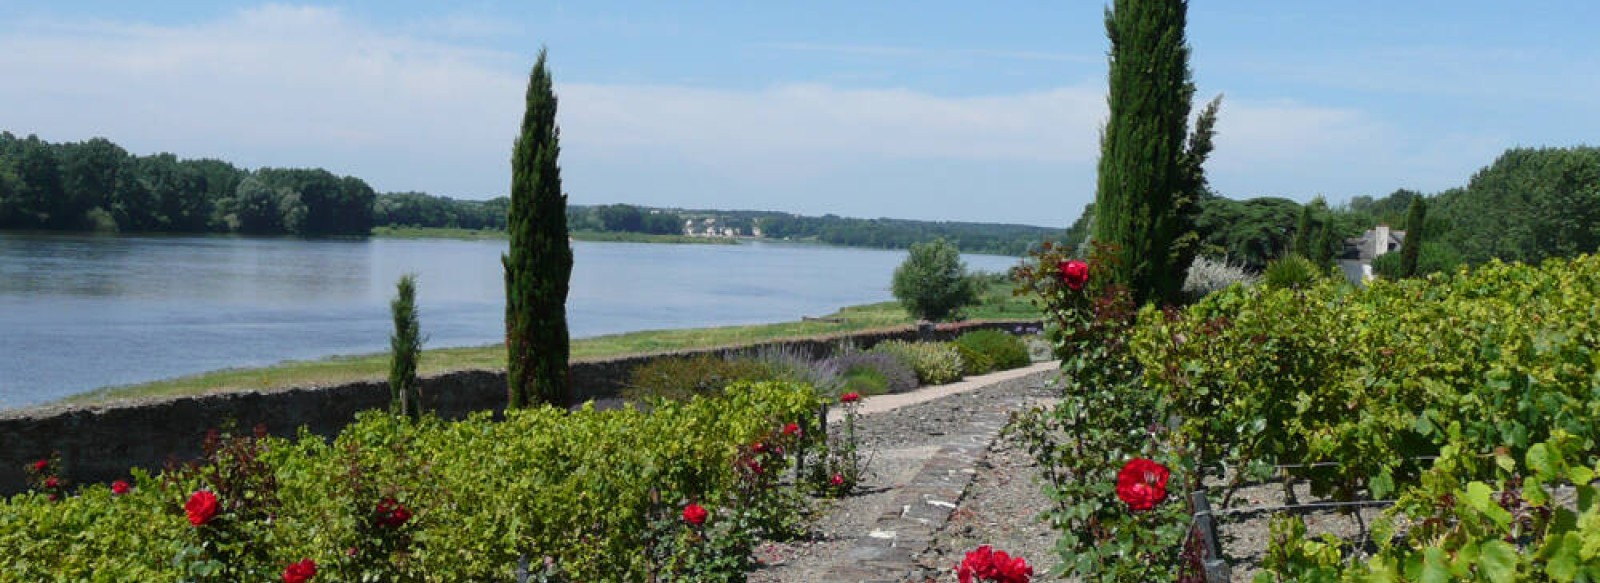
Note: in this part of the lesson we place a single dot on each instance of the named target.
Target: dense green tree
(538, 267)
(89, 173)
(1411, 247)
(405, 346)
(1251, 232)
(933, 283)
(39, 193)
(1150, 180)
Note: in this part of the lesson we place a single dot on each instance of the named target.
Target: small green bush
(972, 361)
(864, 380)
(898, 375)
(1290, 272)
(684, 377)
(1003, 350)
(935, 363)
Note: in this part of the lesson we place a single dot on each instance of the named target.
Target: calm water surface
(78, 312)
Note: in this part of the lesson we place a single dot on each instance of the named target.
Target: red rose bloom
(392, 513)
(1142, 484)
(759, 447)
(1074, 273)
(987, 564)
(51, 482)
(837, 480)
(300, 572)
(201, 507)
(40, 466)
(695, 514)
(850, 397)
(120, 487)
(791, 429)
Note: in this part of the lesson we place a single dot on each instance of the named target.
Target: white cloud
(296, 86)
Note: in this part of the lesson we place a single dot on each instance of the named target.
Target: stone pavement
(888, 552)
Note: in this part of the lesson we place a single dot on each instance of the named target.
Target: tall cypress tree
(405, 346)
(538, 268)
(1411, 247)
(1150, 181)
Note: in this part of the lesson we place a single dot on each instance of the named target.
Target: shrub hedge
(1004, 351)
(935, 363)
(582, 488)
(899, 376)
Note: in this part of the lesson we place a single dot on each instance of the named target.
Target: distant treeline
(97, 185)
(1529, 205)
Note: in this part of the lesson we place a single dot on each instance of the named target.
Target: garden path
(931, 490)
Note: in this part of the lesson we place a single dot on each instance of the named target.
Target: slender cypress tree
(405, 345)
(538, 268)
(1411, 247)
(1150, 181)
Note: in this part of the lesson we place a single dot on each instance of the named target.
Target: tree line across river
(1529, 204)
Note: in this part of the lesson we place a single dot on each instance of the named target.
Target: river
(79, 312)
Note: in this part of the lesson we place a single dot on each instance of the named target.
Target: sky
(936, 110)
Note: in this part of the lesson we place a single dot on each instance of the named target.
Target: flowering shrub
(43, 476)
(482, 496)
(987, 564)
(839, 466)
(1114, 518)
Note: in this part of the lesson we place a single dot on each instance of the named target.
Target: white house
(1356, 260)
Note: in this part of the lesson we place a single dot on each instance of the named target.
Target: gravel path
(999, 506)
(900, 444)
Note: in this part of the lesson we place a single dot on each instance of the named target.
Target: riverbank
(492, 234)
(997, 303)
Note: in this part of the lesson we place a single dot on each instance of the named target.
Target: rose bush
(300, 572)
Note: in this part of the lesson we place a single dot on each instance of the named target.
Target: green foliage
(1411, 248)
(885, 233)
(579, 488)
(1150, 181)
(973, 362)
(864, 380)
(1292, 271)
(898, 376)
(685, 377)
(935, 363)
(405, 347)
(538, 268)
(1003, 351)
(1504, 529)
(1529, 204)
(1367, 380)
(1252, 232)
(933, 283)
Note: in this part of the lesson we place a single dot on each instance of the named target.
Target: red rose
(695, 514)
(40, 466)
(51, 482)
(1142, 484)
(300, 572)
(392, 513)
(1074, 273)
(986, 564)
(849, 397)
(201, 507)
(837, 480)
(791, 429)
(759, 447)
(120, 487)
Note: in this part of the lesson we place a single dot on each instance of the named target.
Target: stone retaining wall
(101, 443)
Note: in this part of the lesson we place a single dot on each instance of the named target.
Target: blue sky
(931, 110)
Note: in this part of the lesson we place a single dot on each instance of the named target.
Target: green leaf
(1435, 566)
(1497, 561)
(1541, 461)
(1560, 553)
(1478, 496)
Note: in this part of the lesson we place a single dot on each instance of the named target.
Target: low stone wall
(99, 444)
